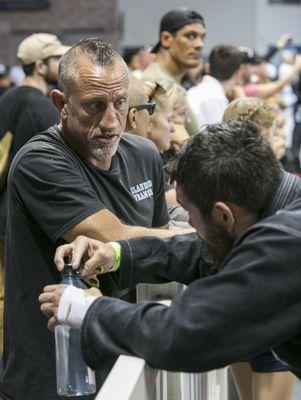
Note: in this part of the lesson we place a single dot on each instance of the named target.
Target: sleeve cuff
(126, 265)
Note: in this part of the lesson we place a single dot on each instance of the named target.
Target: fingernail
(74, 265)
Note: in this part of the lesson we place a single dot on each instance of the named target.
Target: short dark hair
(228, 162)
(95, 49)
(249, 56)
(224, 60)
(28, 69)
(129, 53)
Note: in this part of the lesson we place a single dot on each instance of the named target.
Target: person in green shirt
(182, 33)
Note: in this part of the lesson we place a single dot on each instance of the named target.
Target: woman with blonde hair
(168, 131)
(170, 100)
(264, 114)
(264, 376)
(177, 97)
(161, 120)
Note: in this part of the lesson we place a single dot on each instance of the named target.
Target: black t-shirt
(36, 114)
(3, 89)
(24, 111)
(50, 190)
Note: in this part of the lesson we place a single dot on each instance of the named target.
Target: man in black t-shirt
(83, 176)
(26, 110)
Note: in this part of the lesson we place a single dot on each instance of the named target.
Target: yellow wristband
(117, 249)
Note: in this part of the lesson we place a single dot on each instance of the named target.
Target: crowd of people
(161, 166)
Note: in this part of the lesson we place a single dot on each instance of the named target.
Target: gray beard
(102, 153)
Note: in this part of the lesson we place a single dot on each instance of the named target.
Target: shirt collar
(287, 191)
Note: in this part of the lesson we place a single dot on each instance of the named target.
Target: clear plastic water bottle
(73, 376)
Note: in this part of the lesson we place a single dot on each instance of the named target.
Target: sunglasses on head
(150, 107)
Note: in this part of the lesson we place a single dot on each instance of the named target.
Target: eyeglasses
(150, 107)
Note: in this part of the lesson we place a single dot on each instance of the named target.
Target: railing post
(132, 379)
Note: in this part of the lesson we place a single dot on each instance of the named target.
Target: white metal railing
(129, 379)
(132, 379)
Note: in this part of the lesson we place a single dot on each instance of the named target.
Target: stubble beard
(102, 153)
(218, 245)
(51, 79)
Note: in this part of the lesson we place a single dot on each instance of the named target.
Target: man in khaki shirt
(182, 33)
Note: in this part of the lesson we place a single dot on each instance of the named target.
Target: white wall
(252, 23)
(273, 20)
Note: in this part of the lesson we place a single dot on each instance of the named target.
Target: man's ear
(222, 215)
(166, 39)
(58, 99)
(132, 118)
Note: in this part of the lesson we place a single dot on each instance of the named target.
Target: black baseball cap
(175, 19)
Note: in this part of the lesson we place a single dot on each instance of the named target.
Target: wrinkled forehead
(91, 75)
